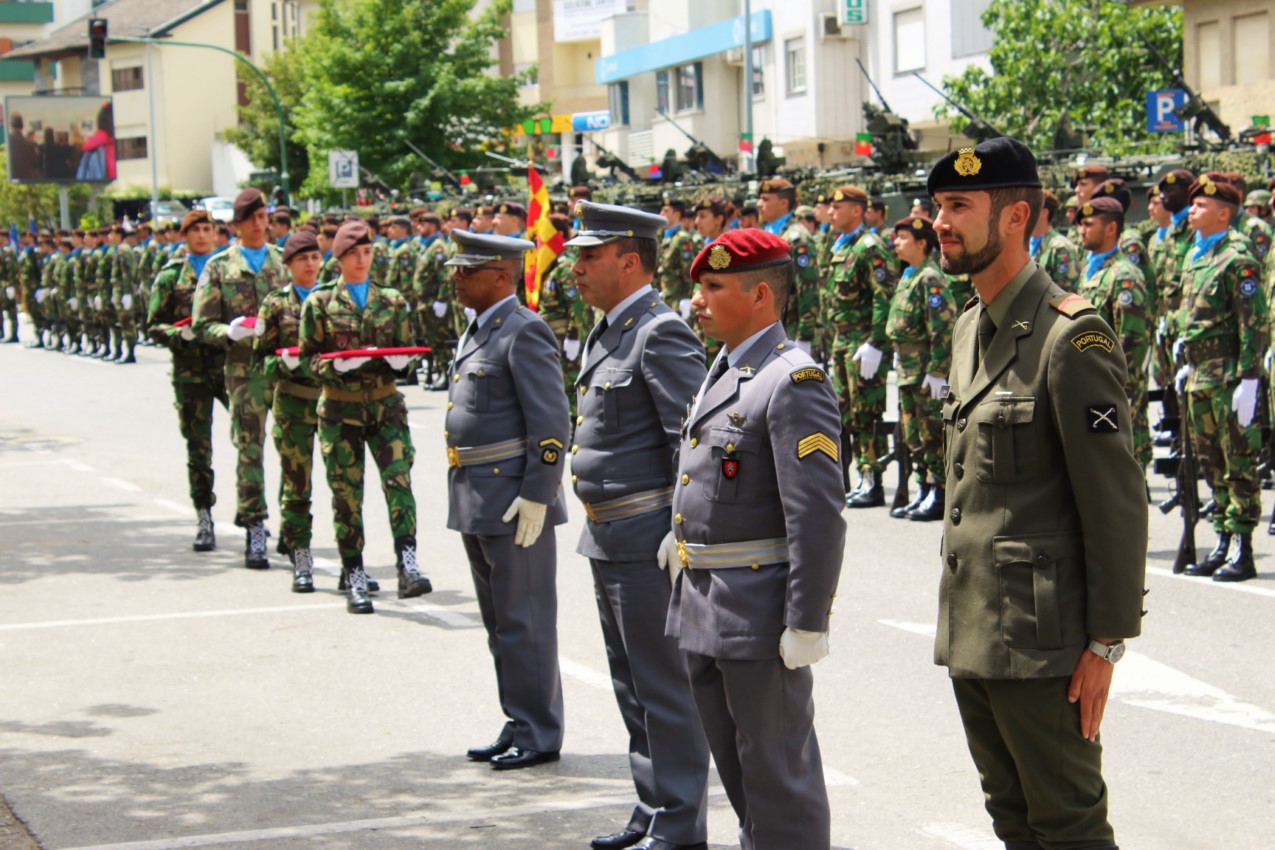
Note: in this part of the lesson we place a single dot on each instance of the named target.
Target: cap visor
(471, 260)
(588, 240)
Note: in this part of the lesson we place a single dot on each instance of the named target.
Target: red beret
(743, 250)
(1224, 192)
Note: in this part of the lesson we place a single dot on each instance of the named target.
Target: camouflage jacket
(380, 261)
(124, 273)
(429, 274)
(823, 250)
(1060, 259)
(1135, 250)
(859, 289)
(401, 271)
(560, 304)
(1259, 233)
(106, 272)
(1223, 312)
(86, 276)
(332, 321)
(280, 317)
(1119, 293)
(331, 269)
(171, 299)
(803, 318)
(29, 266)
(962, 289)
(673, 278)
(229, 288)
(1177, 248)
(8, 266)
(922, 315)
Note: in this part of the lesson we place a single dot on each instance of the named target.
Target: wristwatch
(1111, 654)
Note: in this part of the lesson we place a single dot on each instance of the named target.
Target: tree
(258, 132)
(22, 201)
(1078, 62)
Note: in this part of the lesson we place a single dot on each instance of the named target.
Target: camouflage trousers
(571, 374)
(922, 420)
(1139, 411)
(250, 401)
(126, 321)
(194, 404)
(344, 430)
(1228, 456)
(296, 421)
(862, 402)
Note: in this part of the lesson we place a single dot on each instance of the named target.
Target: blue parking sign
(1160, 106)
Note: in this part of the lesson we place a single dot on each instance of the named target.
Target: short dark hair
(878, 206)
(1006, 196)
(648, 251)
(780, 278)
(464, 213)
(1106, 217)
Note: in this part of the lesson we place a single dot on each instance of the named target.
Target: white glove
(349, 364)
(440, 309)
(666, 556)
(126, 301)
(1180, 379)
(187, 334)
(934, 384)
(290, 361)
(73, 303)
(869, 357)
(10, 292)
(571, 348)
(238, 330)
(97, 302)
(471, 313)
(39, 295)
(895, 362)
(1244, 401)
(803, 344)
(398, 362)
(1160, 328)
(531, 519)
(801, 649)
(1177, 349)
(684, 307)
(1270, 359)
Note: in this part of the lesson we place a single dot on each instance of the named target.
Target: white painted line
(479, 817)
(121, 484)
(446, 616)
(1144, 683)
(585, 674)
(923, 629)
(146, 618)
(963, 836)
(169, 504)
(1241, 586)
(78, 466)
(834, 778)
(81, 520)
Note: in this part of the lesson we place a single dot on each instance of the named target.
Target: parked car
(170, 210)
(222, 209)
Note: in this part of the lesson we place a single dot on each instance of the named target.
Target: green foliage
(18, 201)
(1083, 59)
(258, 132)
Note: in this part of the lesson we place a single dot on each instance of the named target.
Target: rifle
(697, 145)
(613, 162)
(978, 129)
(1195, 109)
(1186, 495)
(438, 169)
(900, 456)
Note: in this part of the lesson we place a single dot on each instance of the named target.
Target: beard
(973, 263)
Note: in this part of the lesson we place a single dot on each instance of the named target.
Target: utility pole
(750, 163)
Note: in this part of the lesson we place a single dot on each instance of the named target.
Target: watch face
(1116, 652)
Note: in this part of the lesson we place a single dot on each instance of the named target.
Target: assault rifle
(899, 456)
(438, 169)
(1182, 466)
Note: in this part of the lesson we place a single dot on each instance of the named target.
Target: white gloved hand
(440, 309)
(39, 295)
(349, 364)
(684, 307)
(73, 303)
(10, 292)
(666, 556)
(97, 302)
(398, 362)
(803, 344)
(896, 362)
(238, 330)
(1179, 380)
(934, 384)
(187, 334)
(290, 361)
(1160, 328)
(126, 301)
(801, 649)
(571, 348)
(1177, 349)
(471, 314)
(869, 357)
(1244, 401)
(531, 520)
(1270, 359)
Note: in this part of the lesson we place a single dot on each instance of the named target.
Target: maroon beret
(350, 234)
(743, 250)
(1224, 192)
(299, 243)
(1086, 172)
(918, 225)
(512, 208)
(199, 216)
(1115, 188)
(1102, 205)
(248, 202)
(1174, 177)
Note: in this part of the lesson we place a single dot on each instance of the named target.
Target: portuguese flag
(863, 144)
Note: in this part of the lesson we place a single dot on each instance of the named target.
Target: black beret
(350, 234)
(299, 243)
(998, 163)
(248, 202)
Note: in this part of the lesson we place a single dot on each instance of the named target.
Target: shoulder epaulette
(1071, 305)
(968, 304)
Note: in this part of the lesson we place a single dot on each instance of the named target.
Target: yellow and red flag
(549, 242)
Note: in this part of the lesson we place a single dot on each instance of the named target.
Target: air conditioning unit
(735, 56)
(830, 28)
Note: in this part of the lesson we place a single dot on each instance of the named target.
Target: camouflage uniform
(1059, 258)
(296, 418)
(228, 289)
(1135, 250)
(331, 269)
(380, 270)
(803, 318)
(1223, 323)
(9, 291)
(673, 277)
(361, 408)
(568, 317)
(86, 290)
(198, 373)
(124, 282)
(431, 284)
(29, 264)
(48, 306)
(962, 289)
(108, 315)
(400, 274)
(858, 297)
(1119, 292)
(67, 277)
(922, 314)
(1259, 234)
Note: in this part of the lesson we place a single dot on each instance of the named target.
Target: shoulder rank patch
(551, 451)
(1070, 305)
(810, 373)
(1091, 339)
(819, 442)
(1103, 419)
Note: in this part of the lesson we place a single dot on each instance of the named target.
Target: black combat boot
(128, 357)
(373, 586)
(411, 581)
(1214, 560)
(1239, 560)
(902, 511)
(254, 553)
(871, 492)
(354, 578)
(302, 570)
(205, 538)
(932, 508)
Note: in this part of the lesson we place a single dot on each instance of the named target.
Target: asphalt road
(155, 698)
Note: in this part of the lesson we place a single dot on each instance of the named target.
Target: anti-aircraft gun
(978, 130)
(613, 162)
(699, 157)
(891, 138)
(1195, 110)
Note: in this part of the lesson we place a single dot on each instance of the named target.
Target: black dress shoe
(502, 743)
(516, 757)
(661, 844)
(617, 840)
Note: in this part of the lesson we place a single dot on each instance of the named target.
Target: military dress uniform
(641, 369)
(506, 434)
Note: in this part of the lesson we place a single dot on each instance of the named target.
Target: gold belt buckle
(453, 456)
(683, 555)
(588, 509)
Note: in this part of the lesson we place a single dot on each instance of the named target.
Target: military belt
(1213, 348)
(724, 556)
(490, 453)
(627, 506)
(906, 348)
(376, 392)
(298, 390)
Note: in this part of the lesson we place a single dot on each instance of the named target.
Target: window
(618, 96)
(795, 61)
(690, 87)
(127, 79)
(533, 79)
(1252, 53)
(969, 36)
(1208, 52)
(134, 148)
(909, 40)
(759, 71)
(661, 91)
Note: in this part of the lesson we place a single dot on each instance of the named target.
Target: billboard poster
(581, 20)
(60, 139)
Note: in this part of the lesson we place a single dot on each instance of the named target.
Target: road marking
(81, 520)
(78, 466)
(584, 673)
(145, 618)
(834, 778)
(1241, 586)
(169, 504)
(923, 629)
(121, 484)
(962, 836)
(15, 464)
(455, 619)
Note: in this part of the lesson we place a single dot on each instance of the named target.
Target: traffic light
(97, 38)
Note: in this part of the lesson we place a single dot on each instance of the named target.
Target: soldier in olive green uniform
(86, 290)
(678, 248)
(124, 298)
(30, 262)
(229, 296)
(435, 308)
(1176, 244)
(8, 288)
(104, 302)
(70, 302)
(1223, 336)
(1053, 251)
(1131, 244)
(361, 410)
(1117, 290)
(1044, 546)
(920, 326)
(776, 202)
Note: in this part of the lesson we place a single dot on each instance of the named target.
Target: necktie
(719, 368)
(467, 336)
(597, 334)
(986, 330)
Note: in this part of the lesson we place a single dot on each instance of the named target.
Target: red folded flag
(375, 352)
(249, 322)
(294, 350)
(181, 323)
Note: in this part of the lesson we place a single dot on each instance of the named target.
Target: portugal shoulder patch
(1093, 339)
(810, 373)
(819, 442)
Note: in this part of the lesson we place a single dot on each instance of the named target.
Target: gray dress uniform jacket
(506, 384)
(639, 375)
(1045, 541)
(759, 459)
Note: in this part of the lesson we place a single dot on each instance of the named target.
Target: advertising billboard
(60, 139)
(581, 20)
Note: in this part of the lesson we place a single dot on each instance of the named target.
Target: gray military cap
(477, 249)
(604, 223)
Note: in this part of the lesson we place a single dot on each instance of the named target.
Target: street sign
(343, 169)
(852, 12)
(1160, 111)
(588, 122)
